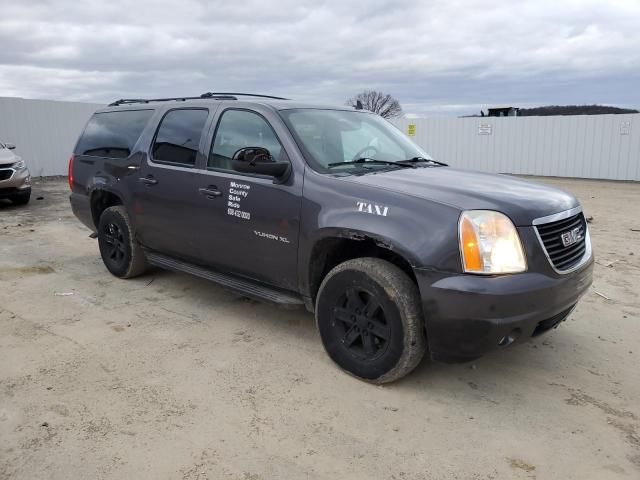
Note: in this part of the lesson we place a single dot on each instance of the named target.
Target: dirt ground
(169, 376)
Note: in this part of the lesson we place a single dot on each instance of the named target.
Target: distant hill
(572, 110)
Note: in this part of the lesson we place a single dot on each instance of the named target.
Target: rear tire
(20, 198)
(370, 321)
(121, 254)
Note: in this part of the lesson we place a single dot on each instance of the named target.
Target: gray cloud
(447, 57)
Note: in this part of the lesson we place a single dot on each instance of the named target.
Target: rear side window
(113, 134)
(178, 136)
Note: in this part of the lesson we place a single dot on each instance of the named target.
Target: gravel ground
(168, 376)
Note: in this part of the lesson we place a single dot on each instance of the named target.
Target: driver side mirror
(10, 146)
(258, 160)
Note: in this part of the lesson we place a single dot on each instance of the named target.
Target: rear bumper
(81, 207)
(469, 315)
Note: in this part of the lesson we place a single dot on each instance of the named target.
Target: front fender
(423, 232)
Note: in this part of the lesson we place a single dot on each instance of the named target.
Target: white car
(15, 180)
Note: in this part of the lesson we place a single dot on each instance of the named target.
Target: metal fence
(597, 146)
(43, 131)
(581, 146)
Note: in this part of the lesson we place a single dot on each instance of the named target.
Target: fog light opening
(510, 338)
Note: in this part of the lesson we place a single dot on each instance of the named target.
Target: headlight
(489, 243)
(19, 165)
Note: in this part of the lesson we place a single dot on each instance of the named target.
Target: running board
(239, 285)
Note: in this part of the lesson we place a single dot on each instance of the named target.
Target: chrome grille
(564, 257)
(5, 174)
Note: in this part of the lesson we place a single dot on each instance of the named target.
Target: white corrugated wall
(581, 146)
(43, 131)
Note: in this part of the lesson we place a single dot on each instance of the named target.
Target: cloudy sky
(445, 57)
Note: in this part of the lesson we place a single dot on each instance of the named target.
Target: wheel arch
(339, 246)
(100, 199)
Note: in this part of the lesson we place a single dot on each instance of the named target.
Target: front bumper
(19, 182)
(469, 315)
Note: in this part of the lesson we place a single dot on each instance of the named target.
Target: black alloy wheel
(114, 244)
(360, 323)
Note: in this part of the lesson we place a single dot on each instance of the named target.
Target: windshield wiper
(370, 161)
(419, 160)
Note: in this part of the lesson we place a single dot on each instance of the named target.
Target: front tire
(21, 198)
(370, 321)
(121, 254)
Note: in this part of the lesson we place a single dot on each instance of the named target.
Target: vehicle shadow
(499, 372)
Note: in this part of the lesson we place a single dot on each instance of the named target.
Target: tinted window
(113, 134)
(179, 136)
(239, 129)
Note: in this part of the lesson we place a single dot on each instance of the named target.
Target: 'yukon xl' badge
(572, 236)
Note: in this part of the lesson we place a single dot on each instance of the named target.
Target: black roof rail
(127, 101)
(210, 95)
(233, 94)
(123, 101)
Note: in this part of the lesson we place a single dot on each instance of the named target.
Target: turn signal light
(470, 247)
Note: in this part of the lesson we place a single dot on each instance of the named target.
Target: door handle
(148, 180)
(210, 192)
(133, 167)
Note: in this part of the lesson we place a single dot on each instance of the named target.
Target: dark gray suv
(335, 209)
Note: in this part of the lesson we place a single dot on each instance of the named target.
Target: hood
(521, 200)
(7, 156)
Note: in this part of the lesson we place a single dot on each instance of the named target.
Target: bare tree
(377, 102)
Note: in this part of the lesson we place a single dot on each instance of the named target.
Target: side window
(113, 134)
(239, 129)
(178, 137)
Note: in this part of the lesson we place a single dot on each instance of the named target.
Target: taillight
(71, 172)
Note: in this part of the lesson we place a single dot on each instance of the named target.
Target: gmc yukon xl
(335, 209)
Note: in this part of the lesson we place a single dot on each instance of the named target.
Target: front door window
(239, 129)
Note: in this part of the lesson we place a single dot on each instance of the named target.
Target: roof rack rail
(126, 101)
(233, 94)
(208, 95)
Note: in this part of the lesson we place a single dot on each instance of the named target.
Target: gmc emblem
(572, 236)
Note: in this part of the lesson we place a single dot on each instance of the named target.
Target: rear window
(113, 134)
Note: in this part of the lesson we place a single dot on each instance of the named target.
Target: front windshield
(330, 137)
